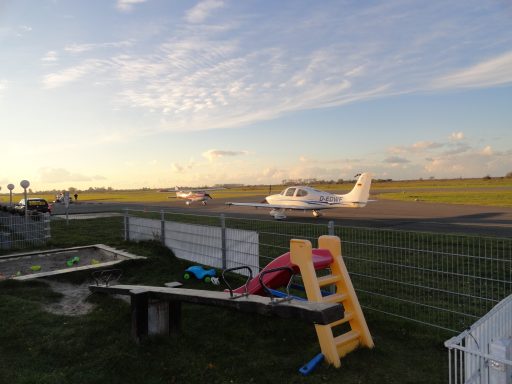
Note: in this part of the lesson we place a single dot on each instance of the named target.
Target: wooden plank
(173, 284)
(318, 313)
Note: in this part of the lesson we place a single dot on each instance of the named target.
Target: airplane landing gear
(204, 202)
(278, 214)
(187, 202)
(317, 213)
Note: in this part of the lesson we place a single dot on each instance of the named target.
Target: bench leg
(139, 305)
(174, 317)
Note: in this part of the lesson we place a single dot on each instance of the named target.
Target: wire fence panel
(20, 232)
(216, 246)
(445, 281)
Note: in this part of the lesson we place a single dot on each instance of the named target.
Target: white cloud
(51, 56)
(487, 151)
(492, 72)
(424, 145)
(214, 154)
(84, 47)
(3, 87)
(418, 147)
(470, 163)
(396, 160)
(457, 136)
(128, 5)
(456, 148)
(202, 10)
(59, 79)
(175, 167)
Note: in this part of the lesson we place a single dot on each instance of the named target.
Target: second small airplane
(305, 198)
(191, 195)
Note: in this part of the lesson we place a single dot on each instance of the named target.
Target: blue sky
(154, 93)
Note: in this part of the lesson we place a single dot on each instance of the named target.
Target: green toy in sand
(72, 261)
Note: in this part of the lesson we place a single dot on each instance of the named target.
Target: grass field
(493, 192)
(216, 346)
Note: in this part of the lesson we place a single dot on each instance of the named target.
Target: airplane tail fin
(358, 196)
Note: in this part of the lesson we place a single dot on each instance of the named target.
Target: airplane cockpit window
(290, 191)
(282, 192)
(302, 193)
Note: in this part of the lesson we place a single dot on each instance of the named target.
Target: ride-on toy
(199, 273)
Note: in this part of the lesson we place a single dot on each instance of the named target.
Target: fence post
(162, 227)
(223, 239)
(47, 227)
(126, 225)
(330, 228)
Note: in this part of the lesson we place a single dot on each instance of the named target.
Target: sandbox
(30, 265)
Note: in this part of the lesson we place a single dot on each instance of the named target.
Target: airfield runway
(399, 215)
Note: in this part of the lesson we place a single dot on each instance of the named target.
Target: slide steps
(334, 342)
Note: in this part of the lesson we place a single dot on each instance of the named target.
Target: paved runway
(409, 216)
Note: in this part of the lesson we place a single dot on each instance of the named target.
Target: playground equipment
(72, 261)
(199, 273)
(341, 336)
(338, 319)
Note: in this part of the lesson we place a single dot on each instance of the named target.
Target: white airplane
(191, 196)
(305, 198)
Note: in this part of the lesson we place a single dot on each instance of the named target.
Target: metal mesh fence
(445, 281)
(20, 232)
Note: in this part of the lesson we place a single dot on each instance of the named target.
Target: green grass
(496, 187)
(499, 198)
(216, 346)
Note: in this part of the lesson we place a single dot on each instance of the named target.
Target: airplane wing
(204, 190)
(190, 190)
(277, 206)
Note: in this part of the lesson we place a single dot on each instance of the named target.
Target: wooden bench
(157, 310)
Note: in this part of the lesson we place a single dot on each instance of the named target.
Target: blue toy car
(199, 273)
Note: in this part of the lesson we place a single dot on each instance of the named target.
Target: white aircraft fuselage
(311, 199)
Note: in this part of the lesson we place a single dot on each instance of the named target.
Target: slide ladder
(343, 336)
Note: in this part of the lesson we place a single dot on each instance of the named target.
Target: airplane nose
(264, 201)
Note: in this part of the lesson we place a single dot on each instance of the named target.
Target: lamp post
(25, 184)
(10, 187)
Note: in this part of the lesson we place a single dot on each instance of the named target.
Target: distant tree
(509, 175)
(72, 190)
(487, 177)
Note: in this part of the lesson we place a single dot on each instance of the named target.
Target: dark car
(35, 205)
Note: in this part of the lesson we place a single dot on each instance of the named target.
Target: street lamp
(25, 184)
(10, 187)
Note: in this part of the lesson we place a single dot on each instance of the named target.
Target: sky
(158, 93)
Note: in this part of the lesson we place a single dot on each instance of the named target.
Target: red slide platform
(322, 258)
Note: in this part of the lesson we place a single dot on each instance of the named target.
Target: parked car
(35, 205)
